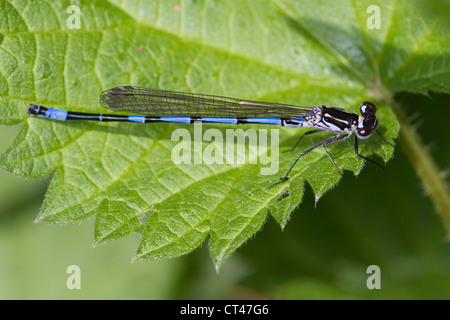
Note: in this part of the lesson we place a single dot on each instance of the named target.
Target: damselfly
(154, 105)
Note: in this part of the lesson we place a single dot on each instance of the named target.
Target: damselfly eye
(364, 133)
(367, 108)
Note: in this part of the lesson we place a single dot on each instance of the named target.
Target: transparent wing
(158, 103)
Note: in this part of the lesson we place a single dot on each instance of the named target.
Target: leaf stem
(432, 179)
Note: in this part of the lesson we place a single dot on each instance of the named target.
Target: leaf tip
(95, 244)
(316, 200)
(217, 266)
(138, 257)
(135, 259)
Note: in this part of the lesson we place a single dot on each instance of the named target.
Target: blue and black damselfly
(154, 105)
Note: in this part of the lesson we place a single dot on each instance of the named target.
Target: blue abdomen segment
(219, 120)
(274, 121)
(140, 119)
(54, 114)
(174, 119)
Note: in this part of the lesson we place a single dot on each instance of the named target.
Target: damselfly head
(367, 109)
(364, 133)
(368, 124)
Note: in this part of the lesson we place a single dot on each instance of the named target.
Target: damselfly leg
(320, 144)
(300, 139)
(385, 141)
(367, 159)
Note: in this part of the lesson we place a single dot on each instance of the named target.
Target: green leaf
(296, 52)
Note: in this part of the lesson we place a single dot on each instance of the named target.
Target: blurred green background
(378, 218)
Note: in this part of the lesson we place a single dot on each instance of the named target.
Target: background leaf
(286, 51)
